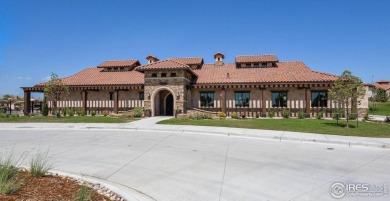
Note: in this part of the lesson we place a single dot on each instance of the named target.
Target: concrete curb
(127, 193)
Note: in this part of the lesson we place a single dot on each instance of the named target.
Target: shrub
(286, 113)
(106, 113)
(301, 114)
(2, 115)
(221, 115)
(64, 111)
(71, 112)
(319, 115)
(14, 115)
(84, 194)
(93, 113)
(337, 114)
(243, 116)
(40, 165)
(271, 113)
(352, 116)
(387, 119)
(138, 112)
(234, 115)
(200, 116)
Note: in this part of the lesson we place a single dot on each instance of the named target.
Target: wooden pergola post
(307, 102)
(263, 103)
(223, 104)
(27, 103)
(116, 101)
(84, 101)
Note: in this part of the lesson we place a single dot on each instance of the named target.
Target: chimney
(151, 59)
(219, 56)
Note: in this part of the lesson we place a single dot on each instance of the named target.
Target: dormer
(119, 65)
(151, 59)
(256, 61)
(219, 56)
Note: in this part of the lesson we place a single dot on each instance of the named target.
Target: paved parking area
(169, 166)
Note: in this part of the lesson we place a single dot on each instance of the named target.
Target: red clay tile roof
(119, 63)
(382, 86)
(383, 81)
(95, 76)
(256, 58)
(284, 72)
(189, 60)
(165, 64)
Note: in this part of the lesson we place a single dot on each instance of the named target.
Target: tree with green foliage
(346, 92)
(53, 90)
(381, 96)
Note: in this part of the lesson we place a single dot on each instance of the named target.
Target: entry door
(169, 105)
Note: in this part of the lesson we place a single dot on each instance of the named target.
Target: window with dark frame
(206, 99)
(264, 65)
(241, 99)
(248, 65)
(154, 74)
(319, 99)
(141, 95)
(173, 74)
(279, 99)
(256, 65)
(163, 74)
(111, 95)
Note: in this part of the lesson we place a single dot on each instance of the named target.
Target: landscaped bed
(48, 188)
(39, 184)
(379, 108)
(364, 129)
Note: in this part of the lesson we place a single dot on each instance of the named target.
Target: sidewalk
(149, 124)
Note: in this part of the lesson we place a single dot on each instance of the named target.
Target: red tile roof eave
(263, 83)
(186, 68)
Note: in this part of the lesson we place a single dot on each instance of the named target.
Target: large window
(319, 99)
(141, 95)
(279, 99)
(242, 99)
(206, 99)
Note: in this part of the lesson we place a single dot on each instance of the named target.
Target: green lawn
(300, 125)
(381, 109)
(74, 119)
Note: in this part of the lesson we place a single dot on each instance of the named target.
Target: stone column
(27, 103)
(263, 103)
(223, 100)
(116, 101)
(84, 101)
(307, 102)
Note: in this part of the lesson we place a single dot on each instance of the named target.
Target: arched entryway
(163, 103)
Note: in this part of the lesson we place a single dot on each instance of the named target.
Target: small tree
(53, 90)
(45, 108)
(346, 91)
(381, 95)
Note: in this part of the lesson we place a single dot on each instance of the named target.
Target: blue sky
(44, 36)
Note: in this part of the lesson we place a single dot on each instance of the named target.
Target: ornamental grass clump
(40, 164)
(9, 183)
(84, 194)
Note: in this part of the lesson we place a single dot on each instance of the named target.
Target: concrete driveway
(169, 166)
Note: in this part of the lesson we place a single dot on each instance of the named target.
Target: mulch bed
(48, 188)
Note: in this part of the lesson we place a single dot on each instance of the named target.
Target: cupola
(219, 56)
(151, 59)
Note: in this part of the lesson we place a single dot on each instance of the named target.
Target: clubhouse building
(250, 86)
